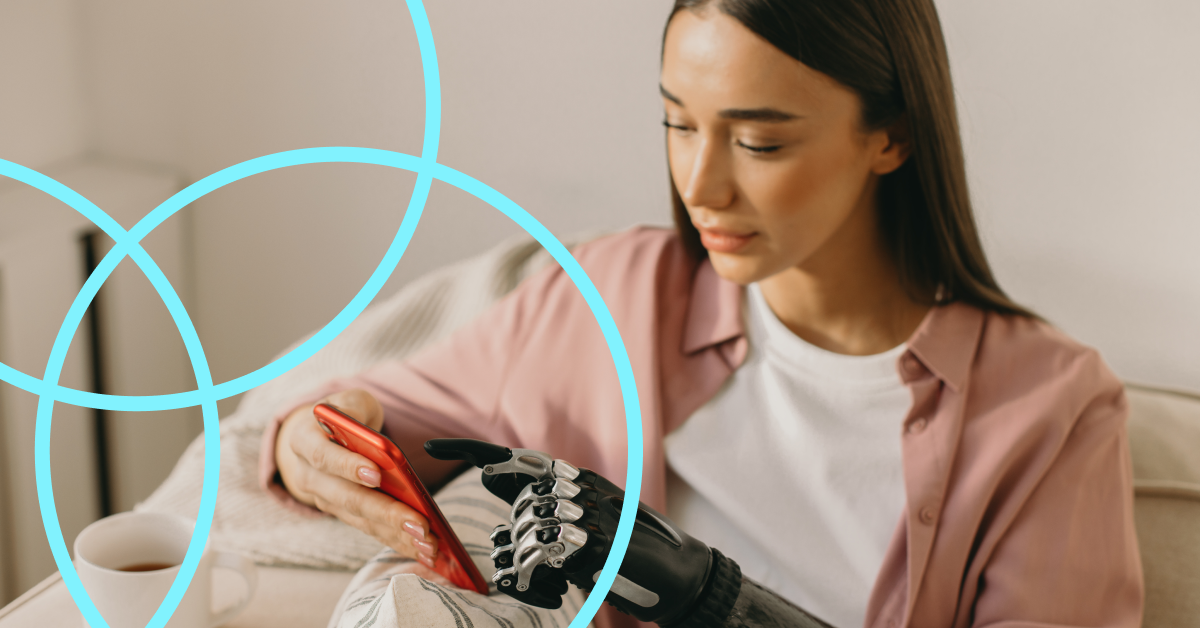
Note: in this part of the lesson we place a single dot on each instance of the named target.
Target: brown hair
(892, 55)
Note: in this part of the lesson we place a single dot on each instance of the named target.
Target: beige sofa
(1164, 436)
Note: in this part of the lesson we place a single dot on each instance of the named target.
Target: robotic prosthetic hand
(561, 529)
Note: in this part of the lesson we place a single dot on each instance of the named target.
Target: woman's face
(768, 155)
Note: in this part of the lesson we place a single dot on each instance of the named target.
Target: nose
(710, 183)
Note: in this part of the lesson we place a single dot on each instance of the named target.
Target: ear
(894, 148)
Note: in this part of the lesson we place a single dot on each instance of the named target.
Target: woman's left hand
(331, 478)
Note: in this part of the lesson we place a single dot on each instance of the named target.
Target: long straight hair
(891, 53)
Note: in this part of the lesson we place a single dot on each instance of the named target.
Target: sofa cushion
(1164, 438)
(1164, 434)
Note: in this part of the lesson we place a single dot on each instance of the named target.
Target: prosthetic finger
(545, 586)
(505, 471)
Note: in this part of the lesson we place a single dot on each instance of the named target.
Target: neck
(846, 298)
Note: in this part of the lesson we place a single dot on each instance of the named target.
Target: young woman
(835, 392)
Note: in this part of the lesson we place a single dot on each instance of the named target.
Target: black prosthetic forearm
(731, 600)
(758, 607)
(561, 529)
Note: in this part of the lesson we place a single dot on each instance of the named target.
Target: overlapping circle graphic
(207, 393)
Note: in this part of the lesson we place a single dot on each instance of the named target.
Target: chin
(740, 269)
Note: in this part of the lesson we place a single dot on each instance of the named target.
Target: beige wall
(42, 116)
(1081, 134)
(45, 117)
(42, 110)
(552, 103)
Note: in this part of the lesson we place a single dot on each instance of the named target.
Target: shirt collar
(714, 311)
(944, 342)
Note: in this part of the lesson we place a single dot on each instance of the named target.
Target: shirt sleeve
(1070, 557)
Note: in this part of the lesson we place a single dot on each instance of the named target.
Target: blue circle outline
(127, 244)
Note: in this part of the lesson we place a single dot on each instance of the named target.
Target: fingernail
(425, 560)
(415, 530)
(426, 548)
(369, 476)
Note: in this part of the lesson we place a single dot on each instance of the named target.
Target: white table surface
(286, 598)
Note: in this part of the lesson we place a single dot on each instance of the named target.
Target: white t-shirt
(793, 469)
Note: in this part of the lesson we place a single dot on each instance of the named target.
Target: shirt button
(912, 367)
(917, 426)
(927, 515)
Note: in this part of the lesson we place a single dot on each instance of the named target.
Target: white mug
(128, 599)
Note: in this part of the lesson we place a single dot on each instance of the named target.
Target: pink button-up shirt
(1016, 462)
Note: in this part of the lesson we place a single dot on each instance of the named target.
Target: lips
(720, 241)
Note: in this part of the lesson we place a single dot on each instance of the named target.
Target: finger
(403, 543)
(477, 452)
(393, 522)
(349, 497)
(507, 486)
(557, 586)
(312, 445)
(290, 465)
(543, 588)
(503, 548)
(360, 405)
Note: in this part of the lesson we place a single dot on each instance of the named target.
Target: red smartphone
(399, 481)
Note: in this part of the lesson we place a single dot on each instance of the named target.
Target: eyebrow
(761, 114)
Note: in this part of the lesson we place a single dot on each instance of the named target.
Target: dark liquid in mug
(146, 567)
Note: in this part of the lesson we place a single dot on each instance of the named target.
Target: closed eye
(758, 149)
